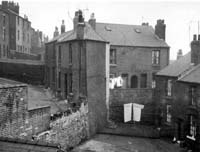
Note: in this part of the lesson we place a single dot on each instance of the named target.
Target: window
(153, 80)
(4, 50)
(192, 126)
(134, 81)
(169, 116)
(18, 20)
(59, 53)
(70, 53)
(4, 19)
(70, 82)
(143, 80)
(0, 50)
(18, 34)
(113, 56)
(169, 88)
(156, 57)
(4, 34)
(59, 79)
(125, 81)
(53, 74)
(192, 92)
(24, 37)
(28, 38)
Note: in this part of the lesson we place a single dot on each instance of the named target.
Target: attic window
(108, 28)
(137, 30)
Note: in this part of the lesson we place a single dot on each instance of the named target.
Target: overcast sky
(179, 16)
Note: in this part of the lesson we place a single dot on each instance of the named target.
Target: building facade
(4, 32)
(177, 97)
(137, 52)
(77, 66)
(17, 34)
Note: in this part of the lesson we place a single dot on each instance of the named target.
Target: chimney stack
(195, 50)
(56, 32)
(92, 21)
(160, 29)
(63, 27)
(79, 26)
(179, 54)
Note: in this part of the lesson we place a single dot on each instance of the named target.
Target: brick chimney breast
(80, 26)
(160, 29)
(92, 21)
(63, 27)
(195, 50)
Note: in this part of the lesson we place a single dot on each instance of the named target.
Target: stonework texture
(15, 119)
(70, 130)
(13, 111)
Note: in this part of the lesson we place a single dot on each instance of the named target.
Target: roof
(89, 34)
(192, 76)
(178, 67)
(129, 35)
(60, 36)
(6, 83)
(21, 145)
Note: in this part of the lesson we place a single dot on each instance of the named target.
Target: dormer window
(137, 30)
(107, 28)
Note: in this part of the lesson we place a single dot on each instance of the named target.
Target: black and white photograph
(99, 76)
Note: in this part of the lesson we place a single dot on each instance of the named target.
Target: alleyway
(113, 143)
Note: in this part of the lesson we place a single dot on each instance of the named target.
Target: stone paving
(114, 143)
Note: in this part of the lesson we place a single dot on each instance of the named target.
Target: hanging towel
(137, 111)
(119, 81)
(127, 112)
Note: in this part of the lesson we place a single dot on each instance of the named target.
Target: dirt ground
(113, 143)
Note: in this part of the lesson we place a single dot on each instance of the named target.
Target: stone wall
(38, 120)
(118, 97)
(13, 111)
(28, 73)
(15, 119)
(69, 130)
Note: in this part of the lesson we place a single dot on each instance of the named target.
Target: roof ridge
(188, 71)
(97, 33)
(123, 24)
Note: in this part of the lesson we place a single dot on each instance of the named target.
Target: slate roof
(6, 83)
(21, 145)
(178, 67)
(192, 76)
(60, 36)
(89, 34)
(129, 35)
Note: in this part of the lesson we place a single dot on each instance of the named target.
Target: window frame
(113, 56)
(155, 57)
(168, 113)
(169, 88)
(70, 54)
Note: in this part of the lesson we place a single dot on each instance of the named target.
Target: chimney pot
(199, 37)
(92, 21)
(194, 37)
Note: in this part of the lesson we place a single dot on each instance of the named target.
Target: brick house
(177, 97)
(4, 32)
(137, 52)
(77, 64)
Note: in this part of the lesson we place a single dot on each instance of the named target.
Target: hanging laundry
(137, 111)
(127, 112)
(119, 81)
